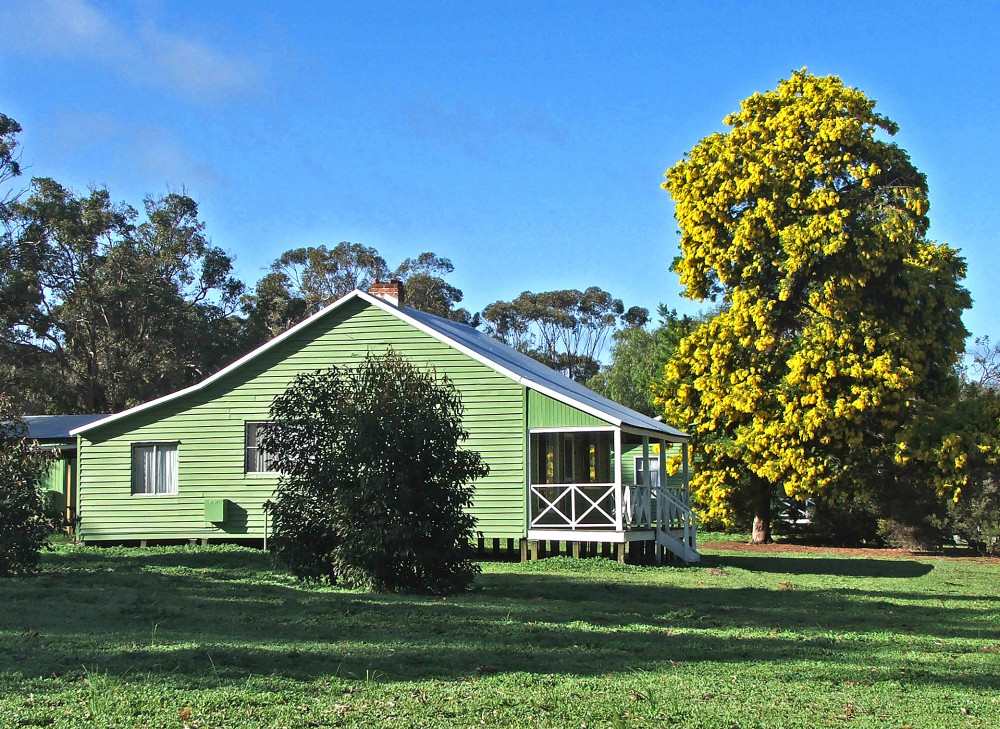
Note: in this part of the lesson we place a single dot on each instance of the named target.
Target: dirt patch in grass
(783, 547)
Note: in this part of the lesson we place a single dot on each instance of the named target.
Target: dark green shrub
(847, 523)
(916, 535)
(24, 523)
(975, 517)
(375, 483)
(911, 516)
(905, 516)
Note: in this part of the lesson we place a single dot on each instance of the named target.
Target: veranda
(605, 490)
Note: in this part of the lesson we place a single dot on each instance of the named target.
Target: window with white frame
(654, 471)
(257, 459)
(154, 468)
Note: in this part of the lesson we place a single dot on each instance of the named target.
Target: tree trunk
(761, 512)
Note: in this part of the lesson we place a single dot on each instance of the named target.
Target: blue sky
(525, 141)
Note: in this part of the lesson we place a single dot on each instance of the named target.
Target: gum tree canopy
(840, 323)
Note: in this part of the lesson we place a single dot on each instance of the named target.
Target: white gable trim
(224, 371)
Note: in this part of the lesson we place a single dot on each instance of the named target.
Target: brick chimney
(390, 291)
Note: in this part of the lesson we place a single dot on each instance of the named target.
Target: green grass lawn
(215, 637)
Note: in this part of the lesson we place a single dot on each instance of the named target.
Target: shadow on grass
(822, 565)
(216, 618)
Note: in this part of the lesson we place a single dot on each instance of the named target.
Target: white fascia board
(225, 370)
(589, 535)
(575, 429)
(655, 434)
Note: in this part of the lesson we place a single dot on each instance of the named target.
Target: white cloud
(77, 128)
(476, 132)
(196, 65)
(72, 26)
(140, 52)
(157, 155)
(122, 155)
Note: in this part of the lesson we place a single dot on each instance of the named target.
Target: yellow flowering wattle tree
(840, 323)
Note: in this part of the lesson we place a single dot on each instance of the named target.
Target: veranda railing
(574, 506)
(673, 514)
(598, 506)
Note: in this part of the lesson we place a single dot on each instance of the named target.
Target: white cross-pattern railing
(595, 505)
(573, 506)
(677, 503)
(607, 506)
(639, 501)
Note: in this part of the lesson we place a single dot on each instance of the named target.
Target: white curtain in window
(142, 469)
(257, 459)
(654, 472)
(154, 469)
(166, 469)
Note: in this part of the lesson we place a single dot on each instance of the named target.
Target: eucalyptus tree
(302, 281)
(638, 358)
(101, 308)
(319, 275)
(10, 166)
(427, 290)
(565, 329)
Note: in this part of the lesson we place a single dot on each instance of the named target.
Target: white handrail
(596, 505)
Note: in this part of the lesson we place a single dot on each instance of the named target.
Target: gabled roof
(536, 376)
(56, 427)
(479, 346)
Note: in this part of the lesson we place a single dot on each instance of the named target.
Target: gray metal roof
(536, 375)
(56, 427)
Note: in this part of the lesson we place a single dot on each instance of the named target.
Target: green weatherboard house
(565, 463)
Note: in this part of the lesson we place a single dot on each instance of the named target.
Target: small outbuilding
(52, 432)
(566, 465)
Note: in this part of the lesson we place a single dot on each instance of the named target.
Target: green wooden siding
(53, 485)
(208, 426)
(545, 412)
